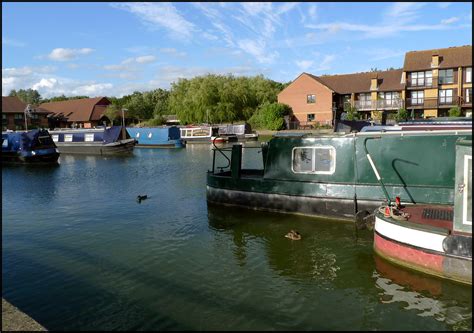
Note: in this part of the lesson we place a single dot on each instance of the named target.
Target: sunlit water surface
(80, 253)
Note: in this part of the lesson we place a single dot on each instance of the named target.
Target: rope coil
(394, 213)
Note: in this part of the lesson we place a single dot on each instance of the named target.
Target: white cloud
(258, 50)
(61, 54)
(12, 42)
(160, 15)
(173, 51)
(303, 65)
(312, 11)
(450, 20)
(444, 5)
(145, 59)
(26, 70)
(45, 83)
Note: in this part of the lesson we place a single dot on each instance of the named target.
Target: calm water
(79, 253)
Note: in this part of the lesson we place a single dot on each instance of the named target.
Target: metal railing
(379, 104)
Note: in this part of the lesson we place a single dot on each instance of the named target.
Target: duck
(142, 197)
(293, 235)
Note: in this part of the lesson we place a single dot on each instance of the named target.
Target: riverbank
(315, 131)
(15, 320)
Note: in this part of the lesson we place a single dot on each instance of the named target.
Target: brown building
(85, 112)
(321, 99)
(437, 80)
(430, 83)
(14, 112)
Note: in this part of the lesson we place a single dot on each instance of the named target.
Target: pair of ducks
(293, 235)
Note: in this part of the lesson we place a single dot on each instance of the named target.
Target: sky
(116, 48)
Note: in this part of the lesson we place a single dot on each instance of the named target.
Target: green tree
(113, 112)
(28, 96)
(352, 113)
(402, 115)
(270, 116)
(455, 111)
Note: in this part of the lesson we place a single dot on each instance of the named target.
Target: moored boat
(331, 176)
(197, 134)
(156, 137)
(237, 132)
(101, 141)
(29, 147)
(434, 239)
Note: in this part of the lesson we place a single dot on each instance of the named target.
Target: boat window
(89, 137)
(55, 137)
(138, 135)
(150, 135)
(5, 143)
(317, 160)
(67, 137)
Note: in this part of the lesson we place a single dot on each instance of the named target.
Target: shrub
(270, 116)
(402, 114)
(352, 113)
(455, 111)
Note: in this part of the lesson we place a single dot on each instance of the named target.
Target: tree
(28, 96)
(270, 116)
(352, 113)
(402, 114)
(455, 111)
(113, 112)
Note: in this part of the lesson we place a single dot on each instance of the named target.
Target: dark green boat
(331, 176)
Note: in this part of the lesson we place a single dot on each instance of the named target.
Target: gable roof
(360, 82)
(78, 109)
(451, 57)
(12, 104)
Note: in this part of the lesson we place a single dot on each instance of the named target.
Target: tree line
(208, 98)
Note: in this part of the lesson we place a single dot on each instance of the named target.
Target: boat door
(463, 187)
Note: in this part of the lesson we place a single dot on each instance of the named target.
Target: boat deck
(439, 216)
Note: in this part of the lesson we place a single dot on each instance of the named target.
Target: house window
(365, 100)
(18, 127)
(89, 137)
(4, 116)
(67, 137)
(310, 117)
(446, 76)
(417, 97)
(311, 99)
(18, 115)
(420, 78)
(314, 160)
(468, 95)
(55, 137)
(469, 75)
(446, 96)
(34, 116)
(389, 98)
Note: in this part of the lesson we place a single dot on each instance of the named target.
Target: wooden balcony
(380, 104)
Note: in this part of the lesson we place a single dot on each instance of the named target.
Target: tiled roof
(451, 57)
(360, 82)
(12, 105)
(78, 109)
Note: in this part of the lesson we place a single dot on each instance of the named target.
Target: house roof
(12, 105)
(451, 57)
(84, 109)
(360, 82)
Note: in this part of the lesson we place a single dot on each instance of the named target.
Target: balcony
(365, 105)
(380, 104)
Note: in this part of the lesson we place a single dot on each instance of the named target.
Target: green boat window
(317, 160)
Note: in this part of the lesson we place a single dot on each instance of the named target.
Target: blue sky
(115, 48)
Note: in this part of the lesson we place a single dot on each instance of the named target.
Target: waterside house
(78, 113)
(14, 112)
(429, 84)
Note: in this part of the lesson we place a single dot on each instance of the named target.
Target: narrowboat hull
(44, 158)
(349, 185)
(122, 147)
(156, 137)
(422, 248)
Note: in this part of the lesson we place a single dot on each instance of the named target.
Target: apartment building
(15, 112)
(437, 80)
(429, 84)
(321, 99)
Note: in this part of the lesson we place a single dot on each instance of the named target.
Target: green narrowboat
(332, 176)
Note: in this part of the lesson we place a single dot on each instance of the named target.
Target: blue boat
(29, 147)
(156, 137)
(97, 141)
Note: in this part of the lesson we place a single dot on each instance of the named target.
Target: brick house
(13, 115)
(85, 112)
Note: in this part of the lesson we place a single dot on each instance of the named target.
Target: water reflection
(311, 258)
(429, 296)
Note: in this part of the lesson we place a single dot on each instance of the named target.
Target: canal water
(80, 253)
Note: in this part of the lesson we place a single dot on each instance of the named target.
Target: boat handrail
(377, 175)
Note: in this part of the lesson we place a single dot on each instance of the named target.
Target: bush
(158, 121)
(402, 115)
(352, 113)
(270, 116)
(455, 111)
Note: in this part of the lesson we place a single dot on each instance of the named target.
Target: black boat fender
(141, 197)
